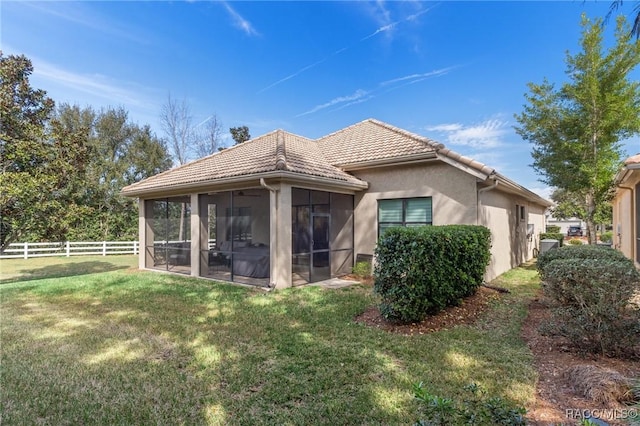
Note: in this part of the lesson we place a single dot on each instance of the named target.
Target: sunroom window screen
(408, 212)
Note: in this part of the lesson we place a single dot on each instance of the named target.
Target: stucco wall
(624, 230)
(453, 195)
(511, 241)
(455, 201)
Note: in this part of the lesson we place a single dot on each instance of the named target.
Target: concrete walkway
(334, 283)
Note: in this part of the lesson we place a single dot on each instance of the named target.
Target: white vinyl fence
(69, 248)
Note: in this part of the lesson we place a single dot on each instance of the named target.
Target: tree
(576, 130)
(240, 134)
(208, 140)
(570, 205)
(27, 159)
(175, 119)
(635, 29)
(121, 153)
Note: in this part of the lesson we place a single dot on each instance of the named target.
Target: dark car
(574, 231)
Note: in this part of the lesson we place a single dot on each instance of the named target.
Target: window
(404, 212)
(522, 214)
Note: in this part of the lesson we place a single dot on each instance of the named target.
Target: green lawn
(102, 343)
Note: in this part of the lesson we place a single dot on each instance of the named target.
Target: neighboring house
(626, 209)
(282, 210)
(564, 224)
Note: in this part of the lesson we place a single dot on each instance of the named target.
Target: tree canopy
(635, 28)
(576, 129)
(240, 134)
(63, 169)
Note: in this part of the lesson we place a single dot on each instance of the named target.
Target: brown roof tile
(634, 159)
(372, 140)
(363, 144)
(275, 151)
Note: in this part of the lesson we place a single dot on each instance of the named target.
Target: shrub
(553, 229)
(584, 251)
(592, 298)
(575, 242)
(422, 270)
(475, 409)
(606, 237)
(362, 269)
(553, 236)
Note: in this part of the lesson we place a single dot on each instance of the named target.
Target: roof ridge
(201, 159)
(281, 154)
(340, 130)
(430, 142)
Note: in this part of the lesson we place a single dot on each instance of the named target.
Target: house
(283, 210)
(626, 209)
(564, 224)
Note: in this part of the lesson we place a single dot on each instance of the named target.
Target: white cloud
(443, 128)
(94, 85)
(356, 97)
(240, 22)
(82, 14)
(487, 134)
(414, 78)
(383, 17)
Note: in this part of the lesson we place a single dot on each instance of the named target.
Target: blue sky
(453, 71)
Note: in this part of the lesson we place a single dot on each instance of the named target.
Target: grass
(101, 344)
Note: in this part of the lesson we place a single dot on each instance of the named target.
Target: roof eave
(483, 173)
(516, 188)
(204, 186)
(624, 172)
(391, 161)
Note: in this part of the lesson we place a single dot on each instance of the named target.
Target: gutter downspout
(480, 191)
(633, 230)
(273, 230)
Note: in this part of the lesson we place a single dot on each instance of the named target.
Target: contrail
(339, 51)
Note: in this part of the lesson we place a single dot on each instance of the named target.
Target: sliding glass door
(322, 235)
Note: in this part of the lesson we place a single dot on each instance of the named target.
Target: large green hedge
(422, 270)
(585, 251)
(591, 288)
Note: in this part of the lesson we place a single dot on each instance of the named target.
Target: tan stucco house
(282, 210)
(626, 209)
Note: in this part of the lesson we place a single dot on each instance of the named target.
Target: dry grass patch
(601, 385)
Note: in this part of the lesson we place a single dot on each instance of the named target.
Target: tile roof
(272, 152)
(634, 159)
(370, 142)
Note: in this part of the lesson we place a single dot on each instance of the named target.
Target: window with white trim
(404, 212)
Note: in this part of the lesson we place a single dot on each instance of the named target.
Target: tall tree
(240, 134)
(121, 153)
(209, 137)
(635, 28)
(176, 121)
(576, 130)
(44, 161)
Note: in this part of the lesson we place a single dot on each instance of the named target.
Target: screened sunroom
(235, 236)
(271, 212)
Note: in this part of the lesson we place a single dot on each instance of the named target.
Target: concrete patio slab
(335, 283)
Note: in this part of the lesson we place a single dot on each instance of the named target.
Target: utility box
(548, 244)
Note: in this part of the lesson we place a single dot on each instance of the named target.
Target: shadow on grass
(530, 265)
(62, 270)
(161, 349)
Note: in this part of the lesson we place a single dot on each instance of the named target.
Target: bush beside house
(553, 236)
(591, 288)
(420, 271)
